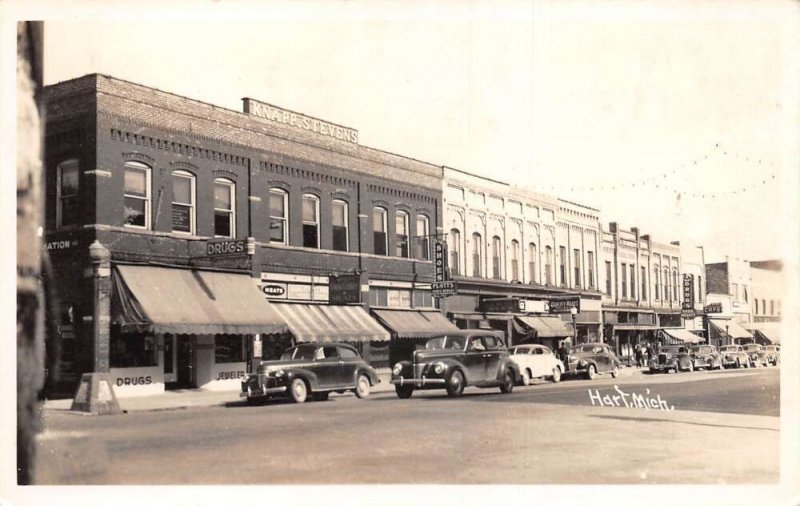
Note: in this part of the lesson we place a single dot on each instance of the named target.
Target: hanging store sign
(716, 307)
(274, 290)
(276, 114)
(443, 288)
(565, 305)
(500, 305)
(688, 292)
(533, 306)
(440, 261)
(687, 314)
(344, 289)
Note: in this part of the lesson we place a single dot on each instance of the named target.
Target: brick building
(729, 290)
(191, 209)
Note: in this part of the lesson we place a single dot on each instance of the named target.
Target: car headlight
(582, 363)
(439, 367)
(572, 359)
(397, 369)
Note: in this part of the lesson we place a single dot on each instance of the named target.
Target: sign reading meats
(297, 120)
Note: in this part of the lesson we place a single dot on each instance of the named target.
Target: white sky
(550, 95)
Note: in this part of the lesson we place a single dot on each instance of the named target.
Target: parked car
(705, 356)
(591, 359)
(456, 360)
(734, 355)
(773, 352)
(311, 369)
(672, 358)
(756, 354)
(536, 361)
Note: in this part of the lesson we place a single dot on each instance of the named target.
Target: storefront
(724, 331)
(677, 335)
(628, 328)
(188, 328)
(410, 328)
(765, 333)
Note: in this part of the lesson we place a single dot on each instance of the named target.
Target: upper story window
(700, 288)
(532, 254)
(137, 195)
(423, 238)
(183, 202)
(735, 291)
(497, 271)
(633, 281)
(454, 245)
(675, 284)
(401, 233)
(477, 249)
(514, 260)
(656, 283)
(745, 294)
(624, 279)
(562, 265)
(224, 208)
(379, 231)
(755, 306)
(548, 265)
(67, 186)
(278, 216)
(590, 268)
(665, 281)
(339, 228)
(310, 221)
(643, 282)
(576, 266)
(608, 278)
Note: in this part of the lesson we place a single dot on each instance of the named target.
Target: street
(724, 429)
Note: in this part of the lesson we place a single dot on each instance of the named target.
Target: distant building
(767, 297)
(729, 285)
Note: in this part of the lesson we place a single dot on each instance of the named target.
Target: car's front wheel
(591, 372)
(615, 371)
(526, 377)
(362, 386)
(508, 382)
(556, 377)
(298, 390)
(404, 391)
(455, 384)
(691, 366)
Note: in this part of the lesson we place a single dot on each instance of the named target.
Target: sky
(653, 113)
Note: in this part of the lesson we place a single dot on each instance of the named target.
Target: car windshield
(585, 348)
(671, 349)
(752, 347)
(446, 343)
(517, 350)
(299, 353)
(700, 350)
(728, 349)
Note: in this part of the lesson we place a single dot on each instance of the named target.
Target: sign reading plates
(443, 288)
(716, 307)
(565, 305)
(688, 292)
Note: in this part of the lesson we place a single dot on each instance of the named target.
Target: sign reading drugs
(688, 291)
(440, 261)
(228, 247)
(565, 305)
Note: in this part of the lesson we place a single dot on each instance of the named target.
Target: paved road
(530, 436)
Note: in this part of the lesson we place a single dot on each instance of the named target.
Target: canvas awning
(186, 301)
(767, 331)
(414, 324)
(633, 326)
(325, 324)
(546, 326)
(734, 329)
(682, 335)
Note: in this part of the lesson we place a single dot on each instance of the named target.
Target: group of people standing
(643, 353)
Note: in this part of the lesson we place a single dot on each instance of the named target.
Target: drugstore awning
(186, 301)
(681, 335)
(546, 326)
(406, 324)
(734, 330)
(326, 324)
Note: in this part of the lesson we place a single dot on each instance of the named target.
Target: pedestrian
(562, 353)
(638, 356)
(646, 355)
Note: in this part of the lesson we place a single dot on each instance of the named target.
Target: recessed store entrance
(185, 360)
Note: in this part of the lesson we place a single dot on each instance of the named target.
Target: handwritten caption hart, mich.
(622, 399)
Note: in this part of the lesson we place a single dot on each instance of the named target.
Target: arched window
(497, 271)
(533, 276)
(379, 238)
(310, 221)
(401, 233)
(665, 280)
(67, 186)
(514, 260)
(183, 202)
(548, 265)
(656, 283)
(477, 249)
(454, 245)
(137, 195)
(224, 208)
(278, 216)
(675, 284)
(339, 225)
(423, 238)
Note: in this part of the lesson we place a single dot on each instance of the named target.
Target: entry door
(185, 349)
(169, 359)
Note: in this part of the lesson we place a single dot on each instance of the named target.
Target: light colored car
(536, 361)
(757, 355)
(773, 352)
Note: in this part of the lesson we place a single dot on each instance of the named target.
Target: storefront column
(100, 273)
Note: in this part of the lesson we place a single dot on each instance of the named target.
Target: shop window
(228, 349)
(514, 260)
(422, 299)
(624, 279)
(401, 234)
(454, 245)
(379, 237)
(576, 266)
(67, 186)
(590, 268)
(423, 238)
(562, 265)
(278, 216)
(137, 195)
(608, 278)
(224, 205)
(339, 225)
(497, 272)
(533, 275)
(477, 247)
(633, 281)
(643, 282)
(132, 349)
(183, 202)
(398, 298)
(310, 221)
(378, 297)
(548, 265)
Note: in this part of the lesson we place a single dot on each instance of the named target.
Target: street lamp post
(728, 336)
(574, 311)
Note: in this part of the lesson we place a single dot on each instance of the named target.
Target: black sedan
(311, 369)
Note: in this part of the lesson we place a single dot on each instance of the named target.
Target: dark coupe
(457, 360)
(311, 369)
(591, 359)
(672, 358)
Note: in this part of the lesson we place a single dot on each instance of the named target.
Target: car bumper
(417, 381)
(662, 367)
(262, 392)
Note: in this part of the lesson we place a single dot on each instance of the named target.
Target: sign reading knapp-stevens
(297, 120)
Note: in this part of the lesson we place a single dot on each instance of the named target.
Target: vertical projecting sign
(442, 286)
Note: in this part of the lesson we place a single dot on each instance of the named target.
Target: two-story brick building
(199, 215)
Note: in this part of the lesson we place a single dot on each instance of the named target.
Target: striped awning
(326, 324)
(734, 330)
(547, 326)
(407, 324)
(766, 331)
(681, 335)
